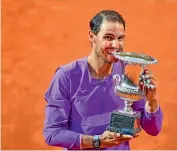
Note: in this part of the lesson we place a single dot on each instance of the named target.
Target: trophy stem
(128, 108)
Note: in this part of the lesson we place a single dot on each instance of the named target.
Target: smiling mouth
(111, 53)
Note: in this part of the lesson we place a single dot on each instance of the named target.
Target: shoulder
(72, 68)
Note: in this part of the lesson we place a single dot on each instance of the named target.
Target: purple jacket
(79, 104)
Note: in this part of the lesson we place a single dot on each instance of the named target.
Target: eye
(109, 38)
(121, 38)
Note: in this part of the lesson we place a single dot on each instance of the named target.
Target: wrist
(96, 143)
(151, 105)
(88, 141)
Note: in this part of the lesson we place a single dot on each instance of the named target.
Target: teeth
(113, 52)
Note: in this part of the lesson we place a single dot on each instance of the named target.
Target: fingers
(123, 136)
(147, 80)
(149, 83)
(147, 73)
(126, 137)
(113, 135)
(114, 139)
(118, 135)
(147, 76)
(145, 69)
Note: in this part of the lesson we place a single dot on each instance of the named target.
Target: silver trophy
(127, 121)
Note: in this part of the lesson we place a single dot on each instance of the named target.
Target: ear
(91, 37)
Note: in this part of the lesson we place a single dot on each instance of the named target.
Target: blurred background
(40, 35)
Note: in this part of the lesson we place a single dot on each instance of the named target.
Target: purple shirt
(79, 104)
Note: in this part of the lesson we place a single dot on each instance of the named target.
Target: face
(109, 39)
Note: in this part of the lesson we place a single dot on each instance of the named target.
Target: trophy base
(125, 123)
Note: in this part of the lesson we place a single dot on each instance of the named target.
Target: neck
(98, 68)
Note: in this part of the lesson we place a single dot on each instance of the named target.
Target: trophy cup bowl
(127, 121)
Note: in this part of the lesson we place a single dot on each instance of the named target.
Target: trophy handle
(146, 84)
(117, 78)
(144, 90)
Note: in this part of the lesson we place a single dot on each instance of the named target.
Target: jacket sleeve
(57, 112)
(150, 122)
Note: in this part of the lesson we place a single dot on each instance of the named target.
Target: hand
(148, 83)
(109, 139)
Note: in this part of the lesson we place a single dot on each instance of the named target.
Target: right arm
(57, 112)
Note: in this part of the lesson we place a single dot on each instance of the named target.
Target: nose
(115, 43)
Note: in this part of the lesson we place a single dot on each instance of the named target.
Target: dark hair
(109, 15)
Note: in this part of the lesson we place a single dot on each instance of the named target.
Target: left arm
(152, 119)
(151, 122)
(152, 116)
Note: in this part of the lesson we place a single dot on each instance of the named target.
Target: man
(81, 96)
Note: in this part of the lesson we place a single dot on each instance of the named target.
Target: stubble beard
(102, 57)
